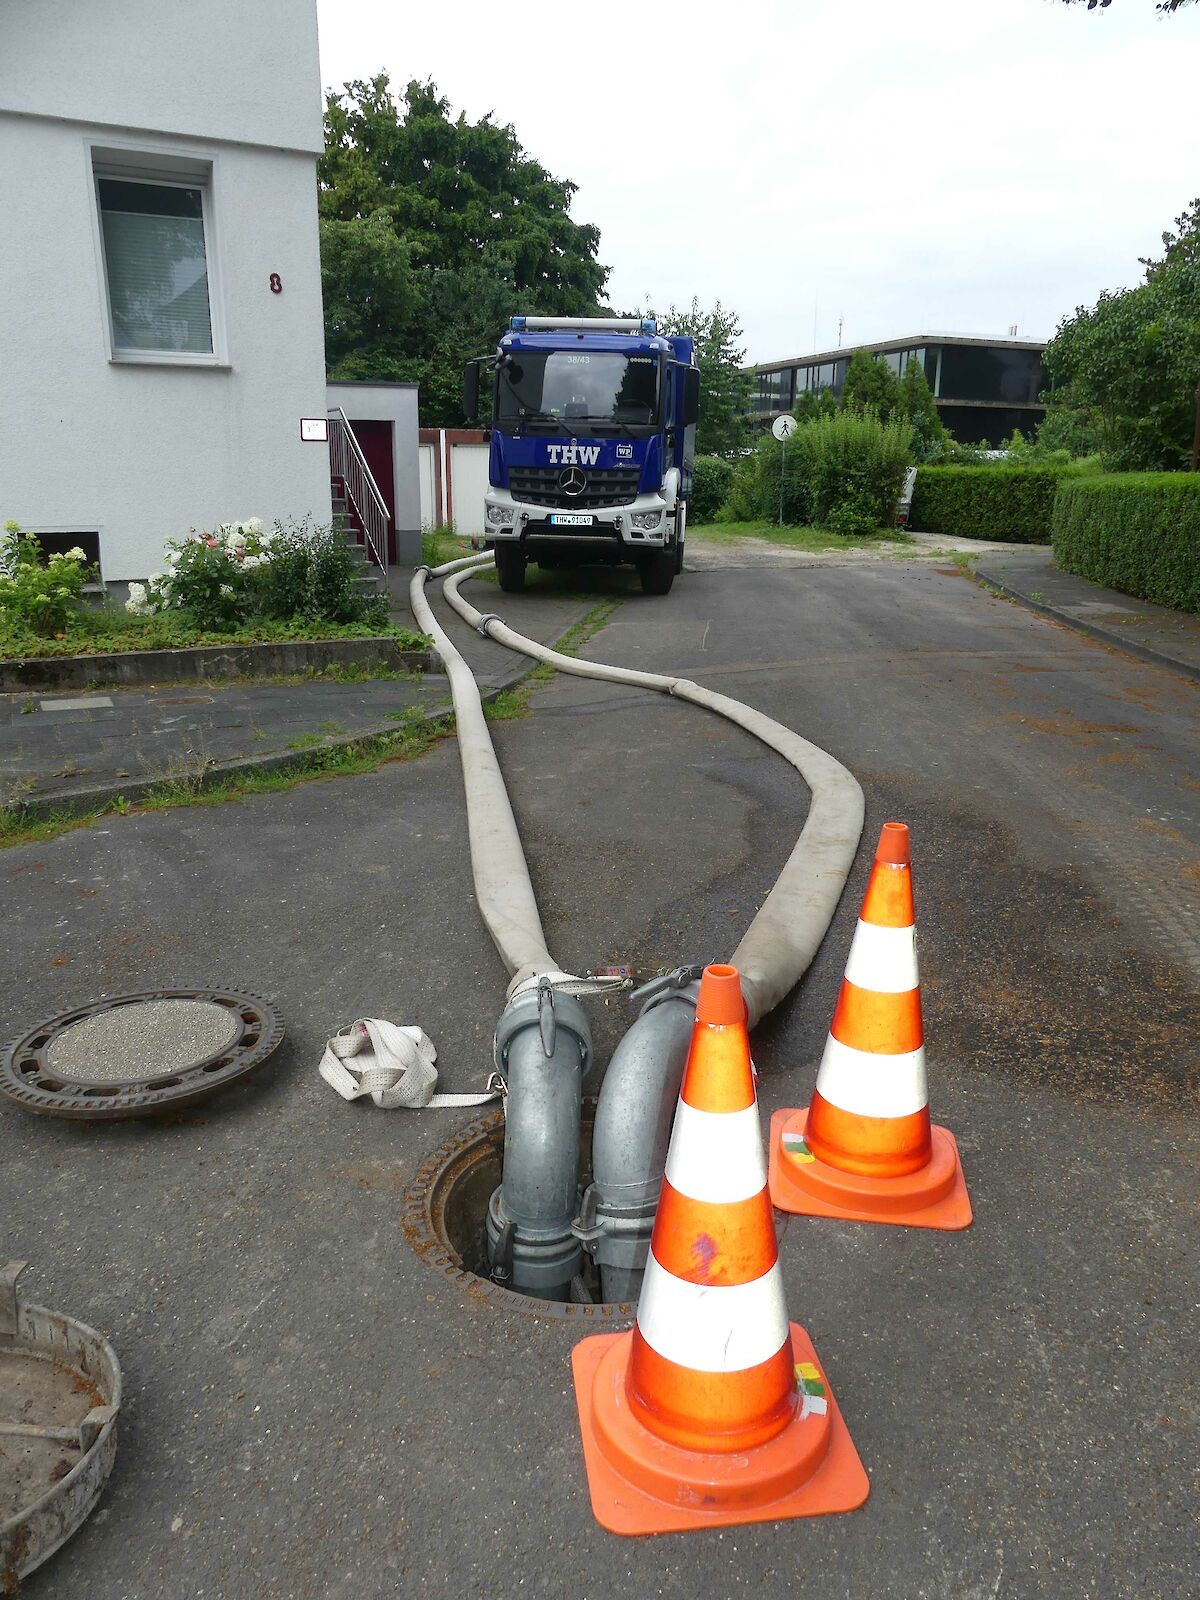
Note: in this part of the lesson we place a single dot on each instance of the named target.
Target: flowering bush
(208, 575)
(240, 571)
(41, 596)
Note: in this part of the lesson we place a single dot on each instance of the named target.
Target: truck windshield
(573, 386)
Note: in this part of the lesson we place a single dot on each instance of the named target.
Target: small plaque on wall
(314, 430)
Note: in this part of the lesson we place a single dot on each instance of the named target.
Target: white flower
(226, 589)
(156, 578)
(137, 604)
(253, 525)
(236, 540)
(76, 554)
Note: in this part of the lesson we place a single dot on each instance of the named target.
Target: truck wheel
(510, 568)
(657, 572)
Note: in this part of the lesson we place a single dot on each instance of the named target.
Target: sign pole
(782, 428)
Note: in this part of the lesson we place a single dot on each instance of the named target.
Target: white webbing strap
(394, 1065)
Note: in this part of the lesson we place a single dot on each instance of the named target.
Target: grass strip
(415, 733)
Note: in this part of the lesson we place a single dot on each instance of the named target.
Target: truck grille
(539, 486)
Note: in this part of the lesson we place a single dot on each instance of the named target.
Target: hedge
(1012, 503)
(1134, 531)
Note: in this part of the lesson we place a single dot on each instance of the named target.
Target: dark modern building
(984, 388)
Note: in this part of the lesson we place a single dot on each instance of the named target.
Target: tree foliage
(724, 387)
(434, 230)
(870, 385)
(1130, 364)
(919, 407)
(1166, 6)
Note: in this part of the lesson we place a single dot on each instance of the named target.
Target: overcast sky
(913, 166)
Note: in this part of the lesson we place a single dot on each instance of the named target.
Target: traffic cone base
(933, 1197)
(640, 1483)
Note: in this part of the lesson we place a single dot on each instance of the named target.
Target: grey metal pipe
(543, 1049)
(629, 1141)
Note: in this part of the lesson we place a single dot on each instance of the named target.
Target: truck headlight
(645, 520)
(499, 514)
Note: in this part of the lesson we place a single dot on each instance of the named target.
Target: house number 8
(276, 283)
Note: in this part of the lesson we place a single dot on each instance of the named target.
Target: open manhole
(133, 1055)
(445, 1213)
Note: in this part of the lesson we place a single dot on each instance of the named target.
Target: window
(154, 242)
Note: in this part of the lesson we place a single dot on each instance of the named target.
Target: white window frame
(178, 169)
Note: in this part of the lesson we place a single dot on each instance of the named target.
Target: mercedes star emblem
(572, 481)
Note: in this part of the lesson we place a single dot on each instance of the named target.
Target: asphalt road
(313, 1412)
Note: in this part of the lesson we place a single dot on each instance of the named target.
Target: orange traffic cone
(714, 1409)
(865, 1148)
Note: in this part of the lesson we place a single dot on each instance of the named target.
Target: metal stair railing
(347, 462)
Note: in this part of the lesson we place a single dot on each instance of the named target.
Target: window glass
(582, 385)
(157, 268)
(973, 372)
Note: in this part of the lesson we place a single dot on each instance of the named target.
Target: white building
(161, 332)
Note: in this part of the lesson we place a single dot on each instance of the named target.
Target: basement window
(154, 236)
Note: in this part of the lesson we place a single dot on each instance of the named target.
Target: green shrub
(311, 573)
(40, 596)
(848, 464)
(1137, 532)
(996, 502)
(711, 477)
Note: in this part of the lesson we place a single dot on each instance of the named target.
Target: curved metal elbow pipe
(632, 1132)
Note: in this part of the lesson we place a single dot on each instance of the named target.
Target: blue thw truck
(593, 436)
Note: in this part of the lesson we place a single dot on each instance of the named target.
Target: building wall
(238, 70)
(139, 451)
(395, 403)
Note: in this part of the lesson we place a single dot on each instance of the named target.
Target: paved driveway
(313, 1412)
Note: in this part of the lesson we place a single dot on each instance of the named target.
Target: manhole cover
(60, 1396)
(135, 1054)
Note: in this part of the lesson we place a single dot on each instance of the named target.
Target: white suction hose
(501, 876)
(780, 943)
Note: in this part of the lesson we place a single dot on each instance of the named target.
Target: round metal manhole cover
(136, 1054)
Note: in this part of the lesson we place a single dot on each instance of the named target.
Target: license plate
(571, 519)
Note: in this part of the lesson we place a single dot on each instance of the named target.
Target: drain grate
(133, 1055)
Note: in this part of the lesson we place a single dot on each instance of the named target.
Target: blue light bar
(649, 325)
(517, 324)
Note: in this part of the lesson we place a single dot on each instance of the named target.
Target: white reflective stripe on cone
(883, 959)
(722, 1328)
(870, 1085)
(716, 1156)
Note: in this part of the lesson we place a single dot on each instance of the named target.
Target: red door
(375, 442)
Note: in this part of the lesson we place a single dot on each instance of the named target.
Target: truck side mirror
(470, 391)
(691, 396)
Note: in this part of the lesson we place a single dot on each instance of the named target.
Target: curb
(217, 663)
(97, 797)
(1118, 641)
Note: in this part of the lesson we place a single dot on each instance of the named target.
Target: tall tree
(724, 387)
(484, 228)
(1131, 362)
(918, 405)
(870, 385)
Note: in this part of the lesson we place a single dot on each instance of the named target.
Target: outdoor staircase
(369, 578)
